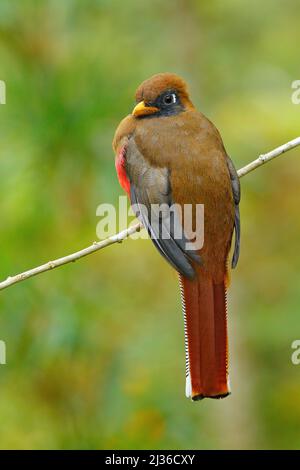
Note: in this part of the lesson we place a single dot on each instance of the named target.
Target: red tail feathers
(205, 322)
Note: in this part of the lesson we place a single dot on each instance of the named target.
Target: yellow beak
(141, 109)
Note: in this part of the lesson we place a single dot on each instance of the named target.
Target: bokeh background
(95, 355)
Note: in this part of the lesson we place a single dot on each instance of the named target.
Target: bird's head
(164, 94)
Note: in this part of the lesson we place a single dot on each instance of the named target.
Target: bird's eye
(169, 99)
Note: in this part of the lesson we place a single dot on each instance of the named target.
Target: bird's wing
(236, 190)
(151, 198)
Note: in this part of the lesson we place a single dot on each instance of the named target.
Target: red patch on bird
(121, 170)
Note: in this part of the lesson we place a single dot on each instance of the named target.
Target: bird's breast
(120, 163)
(190, 147)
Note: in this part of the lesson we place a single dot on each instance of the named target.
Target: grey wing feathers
(236, 190)
(151, 199)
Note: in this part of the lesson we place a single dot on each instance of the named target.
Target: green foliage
(95, 350)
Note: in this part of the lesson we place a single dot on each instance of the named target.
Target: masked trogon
(169, 153)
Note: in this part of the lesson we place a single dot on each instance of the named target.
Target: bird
(169, 154)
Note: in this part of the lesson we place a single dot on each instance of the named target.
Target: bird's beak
(141, 109)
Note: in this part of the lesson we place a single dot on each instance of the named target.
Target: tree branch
(264, 158)
(119, 237)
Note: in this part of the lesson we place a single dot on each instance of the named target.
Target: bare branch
(264, 158)
(119, 237)
(96, 246)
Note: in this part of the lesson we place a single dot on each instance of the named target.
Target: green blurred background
(95, 355)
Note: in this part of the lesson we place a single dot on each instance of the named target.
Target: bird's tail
(205, 325)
